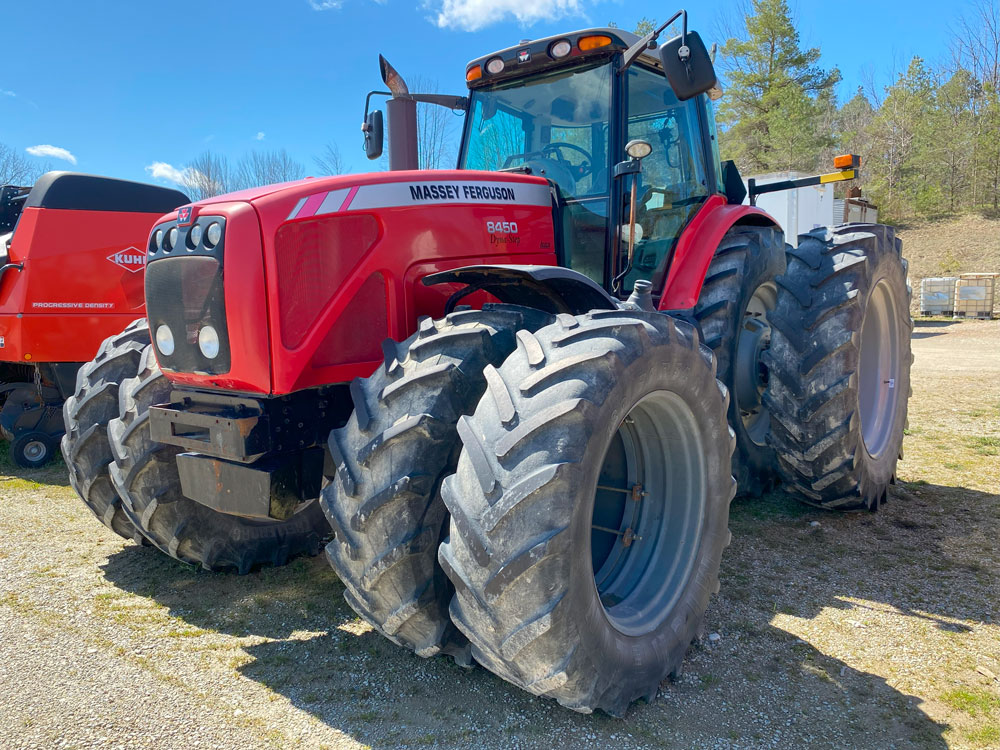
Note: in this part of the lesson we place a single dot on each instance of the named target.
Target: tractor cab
(564, 108)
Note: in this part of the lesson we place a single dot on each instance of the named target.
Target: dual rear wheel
(580, 502)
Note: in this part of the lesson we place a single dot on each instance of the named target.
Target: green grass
(984, 445)
(988, 736)
(971, 701)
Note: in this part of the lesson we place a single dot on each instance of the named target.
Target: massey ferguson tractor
(72, 256)
(516, 394)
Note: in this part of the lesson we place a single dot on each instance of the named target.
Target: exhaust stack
(402, 113)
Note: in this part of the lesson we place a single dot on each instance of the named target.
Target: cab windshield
(554, 126)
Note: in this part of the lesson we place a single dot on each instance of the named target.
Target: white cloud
(186, 177)
(53, 152)
(259, 136)
(472, 15)
(5, 92)
(325, 4)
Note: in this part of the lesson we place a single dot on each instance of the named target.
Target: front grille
(186, 293)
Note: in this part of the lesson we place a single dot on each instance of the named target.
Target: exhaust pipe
(401, 111)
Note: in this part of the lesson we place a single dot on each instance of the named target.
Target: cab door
(676, 178)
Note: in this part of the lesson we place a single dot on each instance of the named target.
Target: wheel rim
(751, 375)
(648, 513)
(35, 450)
(879, 369)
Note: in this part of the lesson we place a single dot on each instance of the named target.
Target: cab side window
(674, 180)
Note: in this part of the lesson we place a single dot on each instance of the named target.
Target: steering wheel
(580, 171)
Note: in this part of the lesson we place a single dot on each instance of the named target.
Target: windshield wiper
(522, 168)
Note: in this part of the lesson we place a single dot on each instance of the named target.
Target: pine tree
(777, 97)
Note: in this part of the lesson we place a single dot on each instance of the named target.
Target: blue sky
(122, 86)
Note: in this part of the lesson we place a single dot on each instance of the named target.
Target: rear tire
(145, 475)
(738, 294)
(87, 412)
(840, 366)
(384, 503)
(569, 582)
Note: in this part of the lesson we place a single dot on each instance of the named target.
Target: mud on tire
(384, 503)
(738, 294)
(547, 590)
(145, 475)
(839, 366)
(87, 412)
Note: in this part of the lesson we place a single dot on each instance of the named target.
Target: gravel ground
(859, 631)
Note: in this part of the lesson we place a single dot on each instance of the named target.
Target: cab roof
(532, 56)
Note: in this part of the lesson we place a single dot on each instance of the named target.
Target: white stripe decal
(298, 207)
(332, 202)
(432, 192)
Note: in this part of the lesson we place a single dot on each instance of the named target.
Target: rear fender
(552, 289)
(698, 244)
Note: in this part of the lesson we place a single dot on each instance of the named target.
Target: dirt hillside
(969, 244)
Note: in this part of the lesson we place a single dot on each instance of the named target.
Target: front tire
(840, 366)
(145, 475)
(570, 582)
(88, 411)
(384, 503)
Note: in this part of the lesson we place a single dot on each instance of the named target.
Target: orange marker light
(846, 161)
(473, 74)
(588, 43)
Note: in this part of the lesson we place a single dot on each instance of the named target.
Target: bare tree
(16, 169)
(436, 130)
(330, 162)
(208, 175)
(266, 168)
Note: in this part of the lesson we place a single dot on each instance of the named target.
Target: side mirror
(373, 134)
(688, 67)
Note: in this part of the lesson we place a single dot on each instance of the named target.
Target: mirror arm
(368, 100)
(633, 52)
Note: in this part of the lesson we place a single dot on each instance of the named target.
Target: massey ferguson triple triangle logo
(131, 259)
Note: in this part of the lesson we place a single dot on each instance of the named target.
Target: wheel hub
(648, 509)
(35, 450)
(879, 368)
(751, 374)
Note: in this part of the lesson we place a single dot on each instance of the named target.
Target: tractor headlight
(494, 66)
(208, 342)
(171, 242)
(194, 236)
(165, 340)
(213, 235)
(157, 240)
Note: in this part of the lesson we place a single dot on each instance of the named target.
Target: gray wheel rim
(750, 376)
(648, 513)
(35, 450)
(879, 369)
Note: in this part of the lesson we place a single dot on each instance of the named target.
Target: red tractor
(518, 392)
(72, 256)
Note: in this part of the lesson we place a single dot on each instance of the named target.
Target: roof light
(560, 49)
(588, 43)
(494, 66)
(473, 74)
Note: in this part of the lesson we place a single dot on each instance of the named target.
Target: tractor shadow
(304, 595)
(756, 685)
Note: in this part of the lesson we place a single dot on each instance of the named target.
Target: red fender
(696, 247)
